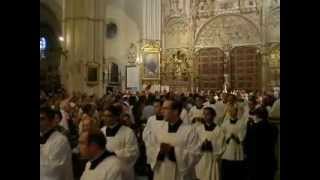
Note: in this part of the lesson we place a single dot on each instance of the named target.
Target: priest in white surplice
(103, 164)
(121, 140)
(211, 137)
(234, 129)
(196, 112)
(174, 149)
(55, 151)
(220, 107)
(153, 124)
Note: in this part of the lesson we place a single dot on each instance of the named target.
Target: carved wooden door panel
(244, 68)
(210, 68)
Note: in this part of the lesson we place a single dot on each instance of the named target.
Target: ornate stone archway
(231, 29)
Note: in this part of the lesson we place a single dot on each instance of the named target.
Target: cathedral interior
(94, 46)
(97, 46)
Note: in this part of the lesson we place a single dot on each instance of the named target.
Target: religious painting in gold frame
(92, 74)
(151, 64)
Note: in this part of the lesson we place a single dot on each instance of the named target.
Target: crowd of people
(162, 135)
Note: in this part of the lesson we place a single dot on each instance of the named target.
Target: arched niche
(233, 29)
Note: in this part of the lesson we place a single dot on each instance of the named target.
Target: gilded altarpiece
(150, 56)
(176, 69)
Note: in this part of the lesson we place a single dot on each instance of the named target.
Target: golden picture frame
(151, 65)
(92, 74)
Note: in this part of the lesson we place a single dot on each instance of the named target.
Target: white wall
(124, 14)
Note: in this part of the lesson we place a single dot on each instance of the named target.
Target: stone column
(151, 30)
(227, 47)
(263, 11)
(264, 68)
(83, 30)
(151, 20)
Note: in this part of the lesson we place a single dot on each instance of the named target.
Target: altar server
(211, 137)
(174, 149)
(121, 140)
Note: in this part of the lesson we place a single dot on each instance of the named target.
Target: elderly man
(103, 164)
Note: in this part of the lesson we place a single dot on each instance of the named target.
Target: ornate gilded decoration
(176, 67)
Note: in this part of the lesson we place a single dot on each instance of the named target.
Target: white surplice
(208, 166)
(195, 113)
(109, 169)
(151, 127)
(220, 109)
(55, 158)
(232, 150)
(64, 119)
(184, 116)
(275, 110)
(124, 144)
(186, 148)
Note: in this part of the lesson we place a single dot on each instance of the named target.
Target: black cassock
(259, 147)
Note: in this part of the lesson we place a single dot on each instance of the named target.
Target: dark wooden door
(211, 68)
(244, 68)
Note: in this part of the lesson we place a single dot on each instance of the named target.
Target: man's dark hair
(211, 110)
(87, 108)
(176, 105)
(58, 113)
(98, 138)
(48, 112)
(132, 100)
(115, 110)
(262, 113)
(252, 99)
(158, 101)
(151, 99)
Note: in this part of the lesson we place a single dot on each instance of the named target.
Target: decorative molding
(233, 29)
(82, 18)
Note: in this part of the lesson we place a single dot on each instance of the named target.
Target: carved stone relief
(273, 26)
(177, 34)
(229, 29)
(226, 6)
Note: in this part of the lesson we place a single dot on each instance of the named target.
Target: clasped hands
(234, 137)
(207, 146)
(166, 148)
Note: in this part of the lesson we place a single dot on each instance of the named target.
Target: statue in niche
(132, 54)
